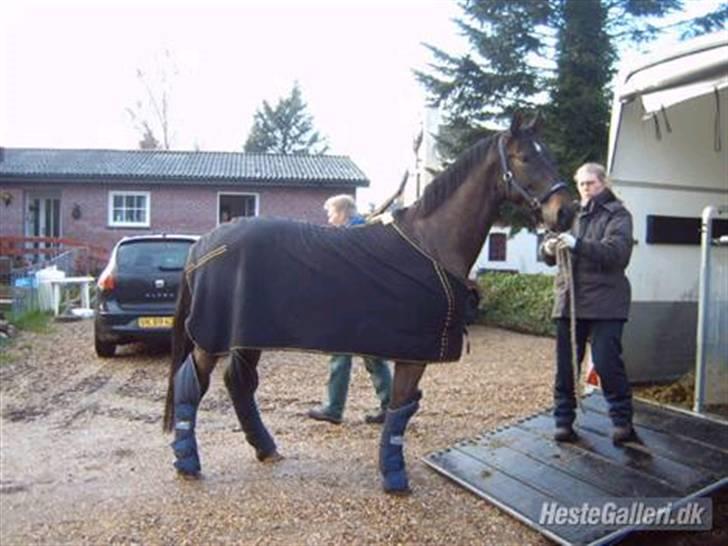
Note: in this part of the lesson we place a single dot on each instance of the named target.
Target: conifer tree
(286, 128)
(556, 56)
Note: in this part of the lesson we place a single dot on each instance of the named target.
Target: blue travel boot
(187, 394)
(241, 382)
(391, 459)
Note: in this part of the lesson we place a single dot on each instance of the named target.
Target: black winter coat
(603, 231)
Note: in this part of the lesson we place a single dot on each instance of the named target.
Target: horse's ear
(536, 123)
(516, 122)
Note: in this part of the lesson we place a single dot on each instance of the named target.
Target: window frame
(125, 224)
(221, 194)
(492, 250)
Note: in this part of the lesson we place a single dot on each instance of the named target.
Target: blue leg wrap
(187, 396)
(391, 459)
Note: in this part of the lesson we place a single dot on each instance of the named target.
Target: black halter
(510, 181)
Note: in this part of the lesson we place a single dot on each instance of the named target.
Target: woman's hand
(566, 240)
(549, 246)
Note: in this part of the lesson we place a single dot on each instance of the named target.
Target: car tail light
(107, 280)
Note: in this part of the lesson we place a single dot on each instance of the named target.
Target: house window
(232, 205)
(497, 247)
(129, 208)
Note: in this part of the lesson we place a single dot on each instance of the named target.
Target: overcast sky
(68, 71)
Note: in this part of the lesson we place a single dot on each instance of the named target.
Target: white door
(42, 219)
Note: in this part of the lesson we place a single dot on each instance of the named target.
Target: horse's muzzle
(565, 217)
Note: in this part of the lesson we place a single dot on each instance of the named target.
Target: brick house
(99, 196)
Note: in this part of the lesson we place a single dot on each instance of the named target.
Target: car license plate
(156, 322)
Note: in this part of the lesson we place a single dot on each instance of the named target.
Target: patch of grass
(5, 358)
(33, 321)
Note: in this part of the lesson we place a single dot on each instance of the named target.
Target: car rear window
(141, 256)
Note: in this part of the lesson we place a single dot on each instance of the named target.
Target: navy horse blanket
(264, 283)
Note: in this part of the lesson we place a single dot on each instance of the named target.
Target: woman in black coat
(600, 243)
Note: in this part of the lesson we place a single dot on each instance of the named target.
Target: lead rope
(563, 258)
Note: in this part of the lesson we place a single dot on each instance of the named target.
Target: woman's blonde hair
(594, 169)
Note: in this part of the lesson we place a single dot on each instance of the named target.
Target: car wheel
(104, 349)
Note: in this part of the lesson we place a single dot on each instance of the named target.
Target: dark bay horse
(444, 230)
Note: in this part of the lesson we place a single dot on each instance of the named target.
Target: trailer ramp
(520, 467)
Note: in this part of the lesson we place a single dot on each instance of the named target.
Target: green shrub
(518, 302)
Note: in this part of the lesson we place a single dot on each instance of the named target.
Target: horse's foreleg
(241, 380)
(405, 402)
(190, 384)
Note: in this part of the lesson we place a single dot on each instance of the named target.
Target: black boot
(565, 433)
(322, 413)
(623, 434)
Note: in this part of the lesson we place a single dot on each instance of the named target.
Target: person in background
(341, 211)
(600, 243)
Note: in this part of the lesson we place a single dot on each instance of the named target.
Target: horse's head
(530, 175)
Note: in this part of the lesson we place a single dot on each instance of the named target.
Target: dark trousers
(606, 345)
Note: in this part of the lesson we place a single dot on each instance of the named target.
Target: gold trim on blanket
(214, 253)
(450, 307)
(442, 275)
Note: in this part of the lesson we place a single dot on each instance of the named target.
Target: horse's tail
(182, 345)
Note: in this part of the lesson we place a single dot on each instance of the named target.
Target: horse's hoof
(271, 458)
(398, 492)
(395, 482)
(189, 476)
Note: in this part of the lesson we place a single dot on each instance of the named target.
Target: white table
(83, 282)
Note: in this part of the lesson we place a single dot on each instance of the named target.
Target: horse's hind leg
(190, 384)
(241, 380)
(405, 403)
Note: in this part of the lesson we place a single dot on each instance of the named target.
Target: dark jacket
(603, 231)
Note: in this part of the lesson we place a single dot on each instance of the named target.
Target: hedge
(517, 302)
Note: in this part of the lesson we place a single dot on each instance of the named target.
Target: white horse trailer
(668, 159)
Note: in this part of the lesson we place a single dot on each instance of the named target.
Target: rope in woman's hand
(563, 259)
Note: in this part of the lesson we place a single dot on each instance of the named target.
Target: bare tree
(150, 114)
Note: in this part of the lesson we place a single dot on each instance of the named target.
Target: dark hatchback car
(137, 290)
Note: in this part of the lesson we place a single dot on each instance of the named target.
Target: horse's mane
(444, 184)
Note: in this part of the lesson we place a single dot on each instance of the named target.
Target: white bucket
(45, 290)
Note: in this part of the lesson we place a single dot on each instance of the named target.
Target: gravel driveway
(83, 459)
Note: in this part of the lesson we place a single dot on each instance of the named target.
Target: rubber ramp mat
(520, 467)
